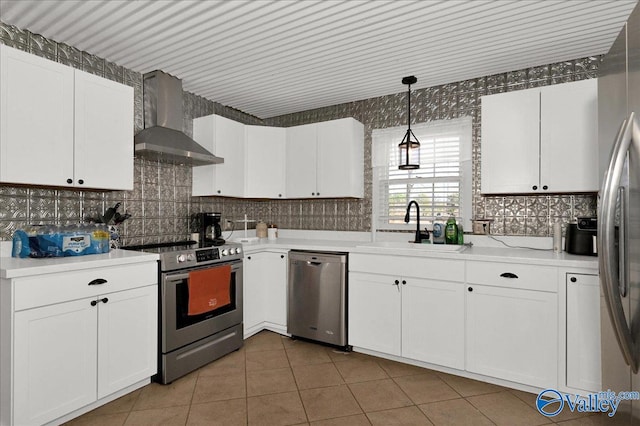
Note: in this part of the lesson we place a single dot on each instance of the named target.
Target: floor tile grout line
(295, 380)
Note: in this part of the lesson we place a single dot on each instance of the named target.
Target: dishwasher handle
(314, 263)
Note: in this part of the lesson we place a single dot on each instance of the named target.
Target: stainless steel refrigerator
(619, 215)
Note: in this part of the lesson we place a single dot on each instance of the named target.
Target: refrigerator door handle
(623, 271)
(606, 229)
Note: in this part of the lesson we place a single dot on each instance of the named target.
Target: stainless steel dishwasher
(318, 296)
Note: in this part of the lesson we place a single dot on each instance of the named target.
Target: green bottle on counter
(451, 231)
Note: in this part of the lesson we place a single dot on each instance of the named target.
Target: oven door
(179, 329)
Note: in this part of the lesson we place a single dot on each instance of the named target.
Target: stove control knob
(224, 252)
(238, 250)
(232, 251)
(190, 257)
(181, 258)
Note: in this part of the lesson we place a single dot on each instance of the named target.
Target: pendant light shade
(409, 148)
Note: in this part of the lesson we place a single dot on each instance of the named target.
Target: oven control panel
(205, 255)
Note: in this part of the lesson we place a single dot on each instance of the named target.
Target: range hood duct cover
(162, 137)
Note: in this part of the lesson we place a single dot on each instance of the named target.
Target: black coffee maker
(209, 229)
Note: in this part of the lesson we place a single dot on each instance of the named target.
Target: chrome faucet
(419, 235)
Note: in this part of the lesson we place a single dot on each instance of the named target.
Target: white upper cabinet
(313, 160)
(540, 140)
(36, 119)
(265, 162)
(301, 161)
(103, 132)
(569, 137)
(63, 127)
(326, 159)
(340, 161)
(225, 138)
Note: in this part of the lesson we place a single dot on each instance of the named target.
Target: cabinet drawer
(420, 267)
(41, 290)
(513, 275)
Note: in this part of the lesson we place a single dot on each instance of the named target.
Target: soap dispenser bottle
(438, 230)
(451, 231)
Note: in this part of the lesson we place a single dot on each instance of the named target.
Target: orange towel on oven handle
(209, 289)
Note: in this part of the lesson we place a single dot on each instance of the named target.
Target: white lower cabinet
(265, 292)
(583, 332)
(433, 322)
(128, 320)
(512, 322)
(512, 334)
(55, 361)
(493, 319)
(413, 317)
(375, 313)
(67, 353)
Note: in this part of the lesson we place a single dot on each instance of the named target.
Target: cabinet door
(433, 322)
(203, 177)
(55, 361)
(583, 332)
(265, 162)
(274, 273)
(103, 133)
(301, 161)
(512, 334)
(340, 163)
(229, 144)
(127, 338)
(254, 292)
(510, 142)
(36, 119)
(224, 138)
(374, 313)
(569, 134)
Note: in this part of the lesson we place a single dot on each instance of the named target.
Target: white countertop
(319, 241)
(11, 267)
(489, 254)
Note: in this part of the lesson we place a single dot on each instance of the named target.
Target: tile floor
(274, 380)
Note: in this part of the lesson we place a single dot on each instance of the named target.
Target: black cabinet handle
(545, 187)
(396, 282)
(80, 181)
(282, 256)
(279, 195)
(94, 302)
(313, 193)
(318, 194)
(69, 180)
(470, 289)
(404, 282)
(98, 281)
(249, 257)
(535, 187)
(508, 275)
(104, 300)
(219, 191)
(574, 279)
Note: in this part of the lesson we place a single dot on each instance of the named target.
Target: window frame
(382, 142)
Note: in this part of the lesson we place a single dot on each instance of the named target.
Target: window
(442, 184)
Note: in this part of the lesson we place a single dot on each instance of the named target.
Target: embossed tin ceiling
(269, 58)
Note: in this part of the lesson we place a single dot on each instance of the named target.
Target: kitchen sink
(394, 245)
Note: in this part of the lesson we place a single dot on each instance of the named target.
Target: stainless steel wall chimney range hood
(162, 137)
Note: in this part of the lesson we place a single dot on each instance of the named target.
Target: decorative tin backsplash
(161, 202)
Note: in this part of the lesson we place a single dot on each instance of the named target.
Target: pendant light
(409, 148)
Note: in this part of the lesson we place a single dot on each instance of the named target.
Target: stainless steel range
(191, 335)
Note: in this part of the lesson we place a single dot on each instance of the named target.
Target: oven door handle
(176, 277)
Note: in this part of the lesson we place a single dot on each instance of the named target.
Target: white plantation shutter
(442, 184)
